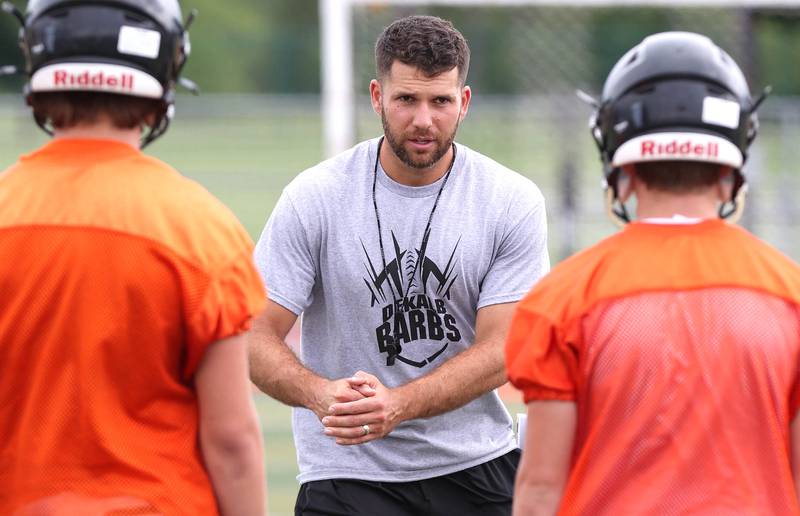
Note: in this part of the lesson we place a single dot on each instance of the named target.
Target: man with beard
(406, 256)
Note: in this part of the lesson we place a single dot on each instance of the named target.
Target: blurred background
(258, 121)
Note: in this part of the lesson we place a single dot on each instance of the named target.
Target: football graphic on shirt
(415, 325)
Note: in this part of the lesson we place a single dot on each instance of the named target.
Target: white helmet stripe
(102, 77)
(678, 147)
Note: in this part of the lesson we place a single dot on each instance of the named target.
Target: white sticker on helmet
(136, 41)
(103, 77)
(678, 147)
(721, 112)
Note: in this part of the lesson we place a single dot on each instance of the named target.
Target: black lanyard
(393, 348)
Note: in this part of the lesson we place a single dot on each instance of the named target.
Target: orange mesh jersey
(680, 345)
(116, 273)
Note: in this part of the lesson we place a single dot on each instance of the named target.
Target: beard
(396, 142)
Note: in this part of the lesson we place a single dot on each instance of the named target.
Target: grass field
(246, 149)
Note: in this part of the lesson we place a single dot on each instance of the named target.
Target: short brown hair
(678, 176)
(429, 43)
(69, 109)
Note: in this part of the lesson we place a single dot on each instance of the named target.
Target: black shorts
(485, 489)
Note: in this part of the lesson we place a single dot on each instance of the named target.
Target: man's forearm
(455, 383)
(276, 371)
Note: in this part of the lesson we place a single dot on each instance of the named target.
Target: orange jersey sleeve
(223, 305)
(544, 363)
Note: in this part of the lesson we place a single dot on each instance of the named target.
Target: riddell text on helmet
(99, 80)
(673, 148)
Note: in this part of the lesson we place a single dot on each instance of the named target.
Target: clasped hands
(358, 409)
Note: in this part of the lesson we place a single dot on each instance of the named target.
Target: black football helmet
(675, 96)
(126, 47)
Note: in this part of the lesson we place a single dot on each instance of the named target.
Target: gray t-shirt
(320, 257)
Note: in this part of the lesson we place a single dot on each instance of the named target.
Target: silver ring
(365, 428)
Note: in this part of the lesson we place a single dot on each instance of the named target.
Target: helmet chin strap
(164, 120)
(159, 127)
(733, 209)
(615, 210)
(151, 133)
(730, 210)
(42, 123)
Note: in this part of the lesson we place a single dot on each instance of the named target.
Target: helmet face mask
(124, 47)
(674, 97)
